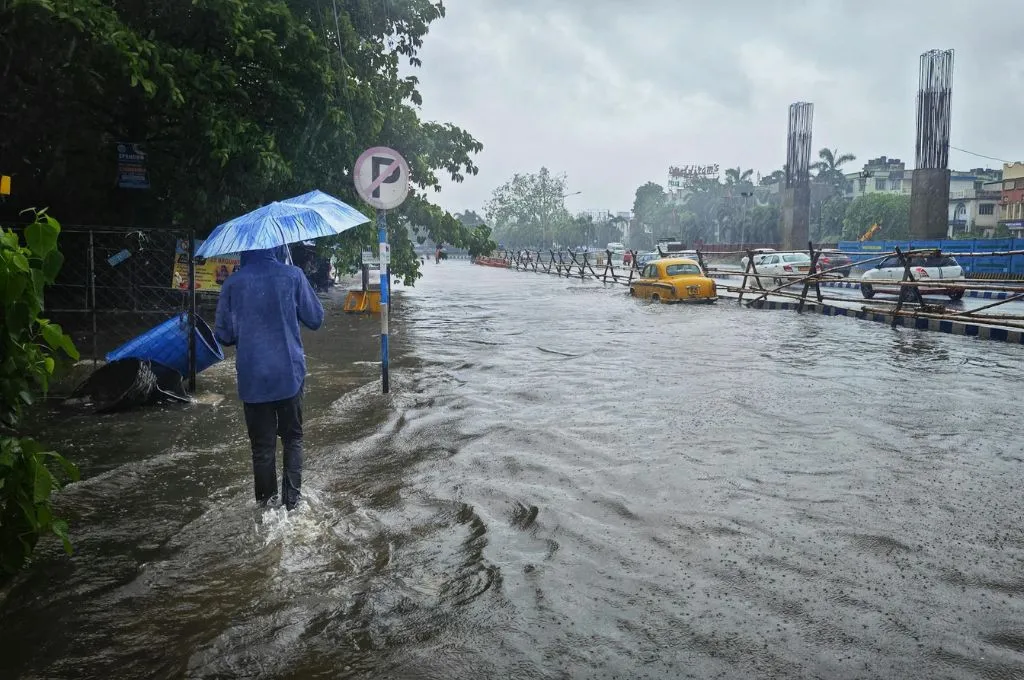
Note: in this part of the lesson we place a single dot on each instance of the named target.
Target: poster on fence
(211, 273)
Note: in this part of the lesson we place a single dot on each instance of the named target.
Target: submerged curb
(982, 331)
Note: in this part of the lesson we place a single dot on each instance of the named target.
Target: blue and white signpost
(382, 179)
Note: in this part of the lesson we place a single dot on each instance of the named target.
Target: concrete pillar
(929, 204)
(796, 213)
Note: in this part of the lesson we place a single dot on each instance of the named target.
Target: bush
(32, 348)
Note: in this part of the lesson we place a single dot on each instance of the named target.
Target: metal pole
(91, 296)
(385, 260)
(192, 311)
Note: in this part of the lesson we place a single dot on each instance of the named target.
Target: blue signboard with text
(131, 166)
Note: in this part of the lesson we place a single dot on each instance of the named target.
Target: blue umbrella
(301, 218)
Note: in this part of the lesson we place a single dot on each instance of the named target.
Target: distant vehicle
(616, 247)
(759, 254)
(923, 267)
(830, 259)
(674, 279)
(775, 267)
(645, 258)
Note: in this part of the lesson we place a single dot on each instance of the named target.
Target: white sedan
(776, 267)
(759, 255)
(923, 267)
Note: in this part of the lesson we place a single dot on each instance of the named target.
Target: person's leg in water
(261, 421)
(289, 428)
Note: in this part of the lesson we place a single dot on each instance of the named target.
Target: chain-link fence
(117, 283)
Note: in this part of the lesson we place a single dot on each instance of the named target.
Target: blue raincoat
(259, 310)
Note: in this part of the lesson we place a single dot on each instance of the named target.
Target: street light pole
(563, 197)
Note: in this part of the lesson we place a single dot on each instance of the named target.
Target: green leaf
(44, 483)
(52, 265)
(15, 287)
(69, 468)
(41, 238)
(60, 529)
(57, 340)
(19, 261)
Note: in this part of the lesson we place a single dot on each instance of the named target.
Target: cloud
(613, 92)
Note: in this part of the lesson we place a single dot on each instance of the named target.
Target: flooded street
(564, 483)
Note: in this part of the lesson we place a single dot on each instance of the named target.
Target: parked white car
(775, 267)
(923, 267)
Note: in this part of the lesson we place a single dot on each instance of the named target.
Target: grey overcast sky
(612, 92)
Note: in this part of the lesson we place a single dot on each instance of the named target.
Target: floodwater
(565, 483)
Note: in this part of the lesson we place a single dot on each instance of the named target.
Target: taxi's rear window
(680, 269)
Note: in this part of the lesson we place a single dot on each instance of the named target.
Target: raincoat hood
(278, 254)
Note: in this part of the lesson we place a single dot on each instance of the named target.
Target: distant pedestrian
(259, 310)
(627, 258)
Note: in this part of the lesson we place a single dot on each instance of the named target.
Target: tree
(528, 211)
(737, 176)
(32, 349)
(649, 208)
(829, 167)
(833, 214)
(775, 177)
(236, 103)
(469, 218)
(763, 224)
(891, 211)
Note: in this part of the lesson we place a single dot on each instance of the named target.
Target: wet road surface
(565, 483)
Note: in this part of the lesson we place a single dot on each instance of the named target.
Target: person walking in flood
(259, 310)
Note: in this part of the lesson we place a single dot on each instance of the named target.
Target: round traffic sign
(382, 177)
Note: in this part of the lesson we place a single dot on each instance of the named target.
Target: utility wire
(979, 155)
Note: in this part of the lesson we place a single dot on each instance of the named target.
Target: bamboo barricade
(909, 303)
(572, 264)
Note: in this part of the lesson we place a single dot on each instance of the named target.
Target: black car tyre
(956, 294)
(655, 298)
(867, 290)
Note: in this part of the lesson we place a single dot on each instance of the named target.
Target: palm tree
(830, 166)
(734, 176)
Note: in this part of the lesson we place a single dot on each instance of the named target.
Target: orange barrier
(491, 261)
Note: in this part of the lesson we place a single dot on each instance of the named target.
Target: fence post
(192, 311)
(90, 295)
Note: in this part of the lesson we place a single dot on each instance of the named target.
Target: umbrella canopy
(279, 223)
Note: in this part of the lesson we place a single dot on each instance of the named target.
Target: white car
(923, 267)
(775, 267)
(759, 254)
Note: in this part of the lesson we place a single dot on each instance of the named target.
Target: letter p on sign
(381, 177)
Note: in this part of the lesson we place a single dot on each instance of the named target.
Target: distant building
(880, 175)
(972, 206)
(1011, 198)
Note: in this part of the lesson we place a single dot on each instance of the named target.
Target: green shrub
(31, 348)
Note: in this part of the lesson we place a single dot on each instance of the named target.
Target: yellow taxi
(674, 279)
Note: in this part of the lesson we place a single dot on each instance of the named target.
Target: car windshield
(796, 257)
(680, 269)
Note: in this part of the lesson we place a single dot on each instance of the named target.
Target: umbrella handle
(287, 247)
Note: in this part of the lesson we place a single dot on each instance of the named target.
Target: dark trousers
(266, 422)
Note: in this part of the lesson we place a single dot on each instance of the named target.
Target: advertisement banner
(131, 166)
(211, 272)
